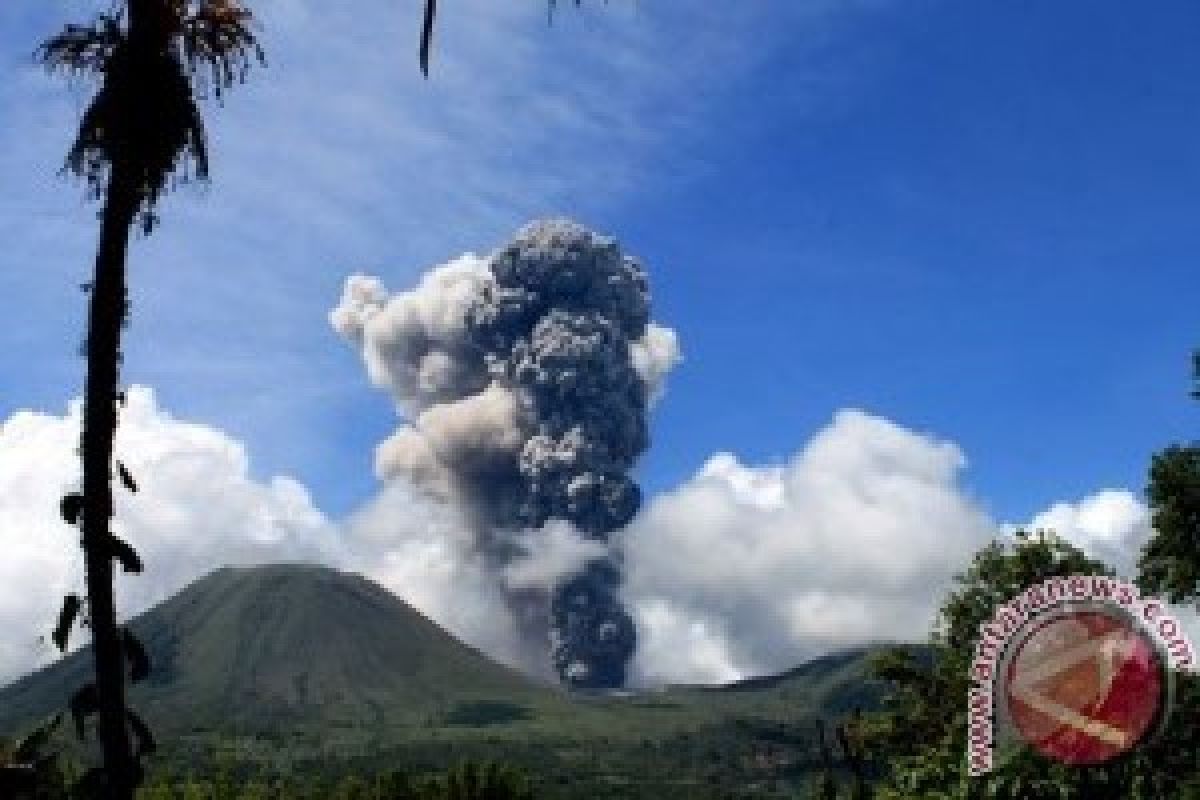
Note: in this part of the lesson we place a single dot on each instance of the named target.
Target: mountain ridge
(279, 643)
(302, 670)
(305, 661)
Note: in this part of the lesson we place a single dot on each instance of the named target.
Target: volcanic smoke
(525, 379)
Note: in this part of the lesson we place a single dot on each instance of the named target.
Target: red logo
(1084, 686)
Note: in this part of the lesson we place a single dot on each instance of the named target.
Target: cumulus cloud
(747, 570)
(1110, 525)
(741, 570)
(198, 508)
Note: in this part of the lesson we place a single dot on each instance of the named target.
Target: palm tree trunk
(105, 317)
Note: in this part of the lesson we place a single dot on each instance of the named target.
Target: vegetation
(1170, 563)
(469, 780)
(848, 735)
(922, 729)
(921, 733)
(142, 128)
(344, 736)
(141, 132)
(242, 687)
(30, 767)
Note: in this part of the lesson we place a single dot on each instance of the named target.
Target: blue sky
(975, 219)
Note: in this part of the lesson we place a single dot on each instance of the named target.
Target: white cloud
(748, 570)
(741, 570)
(422, 550)
(654, 356)
(340, 155)
(1110, 525)
(197, 508)
(745, 570)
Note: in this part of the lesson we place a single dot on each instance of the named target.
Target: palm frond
(81, 48)
(145, 116)
(217, 38)
(427, 35)
(430, 16)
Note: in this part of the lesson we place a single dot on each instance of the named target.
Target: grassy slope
(296, 667)
(286, 644)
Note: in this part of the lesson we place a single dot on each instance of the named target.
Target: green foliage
(487, 781)
(31, 768)
(468, 780)
(486, 712)
(238, 690)
(823, 787)
(850, 757)
(926, 709)
(1170, 562)
(921, 733)
(398, 785)
(353, 788)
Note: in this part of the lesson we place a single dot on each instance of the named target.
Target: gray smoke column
(525, 379)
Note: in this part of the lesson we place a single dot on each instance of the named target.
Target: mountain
(295, 670)
(258, 648)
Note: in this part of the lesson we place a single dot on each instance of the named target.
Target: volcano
(267, 647)
(301, 670)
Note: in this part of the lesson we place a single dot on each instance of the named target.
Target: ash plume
(525, 379)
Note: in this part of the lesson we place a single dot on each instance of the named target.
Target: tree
(1170, 561)
(142, 131)
(920, 736)
(848, 735)
(823, 786)
(142, 128)
(397, 785)
(487, 781)
(352, 787)
(29, 768)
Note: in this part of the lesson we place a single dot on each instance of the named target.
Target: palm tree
(142, 131)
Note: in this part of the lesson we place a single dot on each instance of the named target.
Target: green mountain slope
(293, 669)
(265, 647)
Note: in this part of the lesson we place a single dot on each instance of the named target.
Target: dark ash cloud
(526, 379)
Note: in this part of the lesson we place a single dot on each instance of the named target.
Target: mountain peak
(255, 646)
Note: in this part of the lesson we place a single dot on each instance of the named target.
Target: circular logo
(1084, 686)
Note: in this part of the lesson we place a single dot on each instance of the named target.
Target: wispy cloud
(340, 157)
